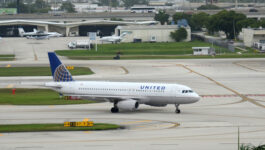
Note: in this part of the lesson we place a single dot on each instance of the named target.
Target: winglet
(59, 71)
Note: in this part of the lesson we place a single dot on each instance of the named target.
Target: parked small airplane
(113, 38)
(38, 34)
(38, 37)
(124, 95)
(22, 33)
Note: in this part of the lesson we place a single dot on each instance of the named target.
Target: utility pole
(234, 29)
(18, 11)
(238, 139)
(110, 4)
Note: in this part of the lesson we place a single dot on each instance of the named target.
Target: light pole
(238, 138)
(18, 7)
(234, 29)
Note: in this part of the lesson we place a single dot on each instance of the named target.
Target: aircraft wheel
(177, 108)
(178, 111)
(114, 110)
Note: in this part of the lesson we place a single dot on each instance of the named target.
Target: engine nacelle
(129, 104)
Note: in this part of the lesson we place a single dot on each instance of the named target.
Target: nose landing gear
(177, 108)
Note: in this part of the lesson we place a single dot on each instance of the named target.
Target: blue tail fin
(59, 71)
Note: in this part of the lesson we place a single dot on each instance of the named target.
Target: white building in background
(251, 35)
(201, 50)
(152, 33)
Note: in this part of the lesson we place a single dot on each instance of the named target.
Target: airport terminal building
(9, 28)
(251, 35)
(155, 33)
(147, 31)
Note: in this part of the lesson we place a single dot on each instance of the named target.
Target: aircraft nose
(196, 97)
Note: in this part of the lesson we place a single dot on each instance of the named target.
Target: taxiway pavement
(232, 92)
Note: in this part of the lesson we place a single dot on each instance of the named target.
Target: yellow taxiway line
(124, 69)
(134, 122)
(244, 98)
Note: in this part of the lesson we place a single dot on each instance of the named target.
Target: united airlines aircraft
(123, 95)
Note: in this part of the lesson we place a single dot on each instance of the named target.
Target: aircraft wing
(107, 97)
(112, 40)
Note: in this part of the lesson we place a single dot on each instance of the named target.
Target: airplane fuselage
(123, 95)
(155, 94)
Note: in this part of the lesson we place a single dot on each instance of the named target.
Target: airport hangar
(140, 30)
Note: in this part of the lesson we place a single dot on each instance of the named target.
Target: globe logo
(62, 74)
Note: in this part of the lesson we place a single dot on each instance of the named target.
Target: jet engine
(129, 104)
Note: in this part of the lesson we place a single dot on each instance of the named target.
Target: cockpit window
(187, 91)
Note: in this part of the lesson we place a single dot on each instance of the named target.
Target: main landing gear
(177, 108)
(115, 109)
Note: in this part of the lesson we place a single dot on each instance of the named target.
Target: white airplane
(22, 33)
(38, 37)
(113, 38)
(37, 33)
(124, 95)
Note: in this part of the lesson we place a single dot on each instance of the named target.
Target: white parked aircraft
(113, 38)
(22, 33)
(36, 33)
(124, 95)
(38, 37)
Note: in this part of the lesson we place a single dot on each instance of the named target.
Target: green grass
(39, 71)
(54, 127)
(35, 97)
(7, 57)
(227, 55)
(171, 48)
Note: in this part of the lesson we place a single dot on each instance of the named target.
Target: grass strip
(170, 48)
(229, 55)
(35, 97)
(7, 57)
(54, 127)
(39, 71)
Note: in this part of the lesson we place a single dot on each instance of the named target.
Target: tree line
(39, 6)
(230, 22)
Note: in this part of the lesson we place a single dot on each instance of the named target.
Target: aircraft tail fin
(59, 72)
(21, 31)
(123, 34)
